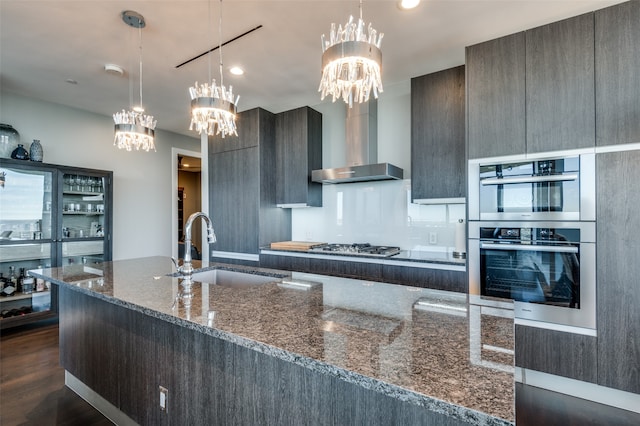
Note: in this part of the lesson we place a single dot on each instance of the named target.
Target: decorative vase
(9, 139)
(35, 151)
(20, 153)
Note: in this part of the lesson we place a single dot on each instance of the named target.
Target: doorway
(187, 196)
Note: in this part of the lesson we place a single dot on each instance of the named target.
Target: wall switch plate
(433, 238)
(164, 397)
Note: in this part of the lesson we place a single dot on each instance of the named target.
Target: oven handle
(530, 179)
(521, 247)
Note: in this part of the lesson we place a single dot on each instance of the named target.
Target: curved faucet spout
(186, 269)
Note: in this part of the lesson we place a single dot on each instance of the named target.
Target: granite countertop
(419, 345)
(418, 256)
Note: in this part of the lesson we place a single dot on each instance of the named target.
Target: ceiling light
(113, 69)
(133, 129)
(351, 62)
(236, 71)
(213, 109)
(408, 4)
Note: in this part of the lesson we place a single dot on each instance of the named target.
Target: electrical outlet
(433, 238)
(164, 398)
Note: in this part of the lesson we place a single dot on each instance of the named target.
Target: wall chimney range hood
(361, 138)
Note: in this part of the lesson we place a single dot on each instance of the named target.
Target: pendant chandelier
(351, 62)
(213, 109)
(133, 128)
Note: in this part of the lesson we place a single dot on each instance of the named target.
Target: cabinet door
(85, 206)
(27, 239)
(556, 352)
(617, 33)
(496, 97)
(298, 152)
(618, 251)
(426, 278)
(234, 195)
(560, 85)
(437, 135)
(248, 124)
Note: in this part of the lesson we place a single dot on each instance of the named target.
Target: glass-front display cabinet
(50, 216)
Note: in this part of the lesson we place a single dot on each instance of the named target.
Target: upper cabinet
(533, 92)
(298, 152)
(617, 61)
(496, 97)
(437, 137)
(559, 85)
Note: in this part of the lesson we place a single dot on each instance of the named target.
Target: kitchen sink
(225, 278)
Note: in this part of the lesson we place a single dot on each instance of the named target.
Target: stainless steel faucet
(187, 269)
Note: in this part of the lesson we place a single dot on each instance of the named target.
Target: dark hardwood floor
(32, 390)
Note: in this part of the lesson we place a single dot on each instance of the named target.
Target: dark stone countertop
(419, 345)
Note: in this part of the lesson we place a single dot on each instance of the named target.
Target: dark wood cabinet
(496, 97)
(235, 199)
(426, 278)
(357, 270)
(438, 159)
(532, 91)
(242, 186)
(560, 85)
(557, 352)
(618, 269)
(298, 152)
(617, 53)
(393, 274)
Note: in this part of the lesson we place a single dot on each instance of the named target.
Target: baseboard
(584, 390)
(107, 409)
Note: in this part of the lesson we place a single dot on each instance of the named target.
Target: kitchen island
(290, 349)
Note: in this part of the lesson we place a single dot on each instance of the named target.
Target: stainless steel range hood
(362, 150)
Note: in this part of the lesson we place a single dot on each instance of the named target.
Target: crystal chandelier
(213, 109)
(134, 129)
(351, 62)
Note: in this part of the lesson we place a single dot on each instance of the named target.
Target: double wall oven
(532, 236)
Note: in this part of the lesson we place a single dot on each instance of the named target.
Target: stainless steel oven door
(548, 284)
(533, 189)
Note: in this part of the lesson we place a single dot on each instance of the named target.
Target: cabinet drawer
(557, 352)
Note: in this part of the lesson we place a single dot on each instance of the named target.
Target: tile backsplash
(379, 213)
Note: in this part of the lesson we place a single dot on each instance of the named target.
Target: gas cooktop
(357, 249)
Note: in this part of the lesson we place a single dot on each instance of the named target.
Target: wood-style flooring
(32, 390)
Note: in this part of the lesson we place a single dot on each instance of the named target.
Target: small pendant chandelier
(213, 108)
(134, 129)
(351, 62)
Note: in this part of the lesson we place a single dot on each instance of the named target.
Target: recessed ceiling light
(236, 70)
(408, 4)
(113, 69)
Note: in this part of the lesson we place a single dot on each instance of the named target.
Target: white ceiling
(45, 42)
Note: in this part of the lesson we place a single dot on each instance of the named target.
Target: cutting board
(295, 245)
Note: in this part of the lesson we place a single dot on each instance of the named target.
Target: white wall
(142, 185)
(376, 212)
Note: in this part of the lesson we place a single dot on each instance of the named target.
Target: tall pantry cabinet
(242, 190)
